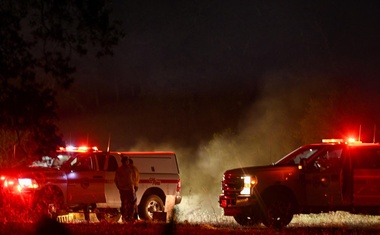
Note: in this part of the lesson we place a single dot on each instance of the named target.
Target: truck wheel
(111, 215)
(148, 205)
(49, 203)
(279, 211)
(244, 220)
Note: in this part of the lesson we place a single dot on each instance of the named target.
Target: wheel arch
(51, 187)
(156, 191)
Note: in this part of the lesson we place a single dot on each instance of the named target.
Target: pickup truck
(329, 176)
(83, 181)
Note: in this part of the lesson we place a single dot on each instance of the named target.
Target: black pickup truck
(329, 176)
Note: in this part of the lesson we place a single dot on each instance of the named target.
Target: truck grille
(232, 184)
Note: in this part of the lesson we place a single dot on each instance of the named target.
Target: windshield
(294, 158)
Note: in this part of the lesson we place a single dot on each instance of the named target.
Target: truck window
(59, 160)
(330, 159)
(82, 163)
(112, 164)
(294, 158)
(365, 158)
(101, 161)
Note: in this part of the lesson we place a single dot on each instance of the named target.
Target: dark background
(187, 70)
(228, 83)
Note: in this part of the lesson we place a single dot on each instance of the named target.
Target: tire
(148, 205)
(245, 220)
(48, 203)
(279, 211)
(110, 215)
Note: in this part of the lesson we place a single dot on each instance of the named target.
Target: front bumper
(235, 204)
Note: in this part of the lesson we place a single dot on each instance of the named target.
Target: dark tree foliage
(38, 40)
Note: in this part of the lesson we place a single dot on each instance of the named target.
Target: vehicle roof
(144, 153)
(344, 144)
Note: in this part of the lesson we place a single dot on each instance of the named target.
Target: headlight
(249, 182)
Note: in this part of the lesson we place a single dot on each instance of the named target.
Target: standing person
(136, 180)
(124, 180)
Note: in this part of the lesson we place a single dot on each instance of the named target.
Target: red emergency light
(80, 149)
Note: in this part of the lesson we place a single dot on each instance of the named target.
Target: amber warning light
(332, 141)
(339, 141)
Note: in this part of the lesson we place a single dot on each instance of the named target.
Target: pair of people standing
(127, 178)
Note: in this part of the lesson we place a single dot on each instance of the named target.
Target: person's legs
(136, 211)
(130, 206)
(124, 205)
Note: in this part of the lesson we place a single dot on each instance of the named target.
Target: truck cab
(328, 176)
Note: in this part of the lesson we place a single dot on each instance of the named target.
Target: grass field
(327, 223)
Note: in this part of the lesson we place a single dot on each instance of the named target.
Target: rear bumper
(14, 199)
(178, 198)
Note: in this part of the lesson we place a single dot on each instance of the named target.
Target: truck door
(85, 182)
(111, 191)
(366, 176)
(323, 179)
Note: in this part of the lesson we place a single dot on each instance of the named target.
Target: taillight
(9, 182)
(27, 183)
(18, 185)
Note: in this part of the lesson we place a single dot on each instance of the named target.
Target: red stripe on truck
(163, 181)
(154, 181)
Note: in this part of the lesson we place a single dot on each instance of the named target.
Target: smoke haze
(264, 134)
(208, 142)
(226, 85)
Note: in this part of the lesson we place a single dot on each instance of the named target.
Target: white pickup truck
(83, 181)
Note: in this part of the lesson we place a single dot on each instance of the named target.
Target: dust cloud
(264, 135)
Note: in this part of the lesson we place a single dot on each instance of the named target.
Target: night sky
(190, 69)
(227, 83)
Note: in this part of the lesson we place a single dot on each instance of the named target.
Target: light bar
(353, 141)
(339, 141)
(332, 141)
(80, 149)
